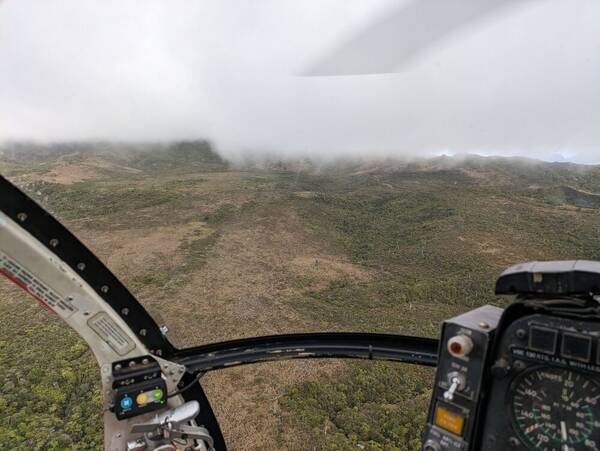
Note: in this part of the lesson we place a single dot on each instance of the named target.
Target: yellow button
(142, 398)
(450, 421)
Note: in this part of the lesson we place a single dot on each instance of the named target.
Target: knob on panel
(432, 445)
(460, 345)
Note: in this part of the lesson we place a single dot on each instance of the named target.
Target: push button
(126, 402)
(157, 394)
(142, 398)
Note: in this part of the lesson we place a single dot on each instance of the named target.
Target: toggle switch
(457, 383)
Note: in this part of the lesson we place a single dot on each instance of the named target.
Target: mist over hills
(555, 183)
(202, 149)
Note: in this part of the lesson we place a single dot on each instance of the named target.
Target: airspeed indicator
(556, 409)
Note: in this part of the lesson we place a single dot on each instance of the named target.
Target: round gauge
(555, 409)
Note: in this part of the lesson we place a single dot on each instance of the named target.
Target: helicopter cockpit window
(276, 167)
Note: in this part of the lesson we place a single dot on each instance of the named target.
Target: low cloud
(521, 80)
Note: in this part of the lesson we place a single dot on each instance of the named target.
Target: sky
(308, 77)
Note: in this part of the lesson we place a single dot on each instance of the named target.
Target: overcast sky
(520, 79)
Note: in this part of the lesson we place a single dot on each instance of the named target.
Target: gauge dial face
(556, 409)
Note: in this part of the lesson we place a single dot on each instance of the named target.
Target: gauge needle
(563, 433)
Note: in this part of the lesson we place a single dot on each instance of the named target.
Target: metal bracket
(172, 371)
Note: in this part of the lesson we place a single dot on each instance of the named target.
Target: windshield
(256, 168)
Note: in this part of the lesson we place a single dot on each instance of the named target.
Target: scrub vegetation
(49, 382)
(220, 251)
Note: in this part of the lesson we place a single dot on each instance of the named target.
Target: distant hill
(157, 156)
(554, 183)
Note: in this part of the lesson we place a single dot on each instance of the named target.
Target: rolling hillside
(220, 250)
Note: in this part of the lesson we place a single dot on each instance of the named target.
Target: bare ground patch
(67, 173)
(255, 264)
(136, 250)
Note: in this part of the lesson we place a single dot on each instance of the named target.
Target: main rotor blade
(390, 42)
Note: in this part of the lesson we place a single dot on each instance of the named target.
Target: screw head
(519, 365)
(53, 242)
(80, 266)
(125, 311)
(484, 325)
(104, 288)
(521, 334)
(22, 216)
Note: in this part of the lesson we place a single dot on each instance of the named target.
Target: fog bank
(521, 79)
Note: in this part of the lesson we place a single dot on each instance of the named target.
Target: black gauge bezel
(512, 389)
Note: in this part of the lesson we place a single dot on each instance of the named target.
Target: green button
(157, 394)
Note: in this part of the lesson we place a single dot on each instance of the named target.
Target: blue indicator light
(126, 402)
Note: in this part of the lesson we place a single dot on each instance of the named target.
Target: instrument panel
(530, 385)
(545, 380)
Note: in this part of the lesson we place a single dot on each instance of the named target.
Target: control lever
(175, 417)
(171, 426)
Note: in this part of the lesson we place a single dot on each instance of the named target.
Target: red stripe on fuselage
(21, 285)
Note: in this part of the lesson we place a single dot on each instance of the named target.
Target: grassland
(217, 251)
